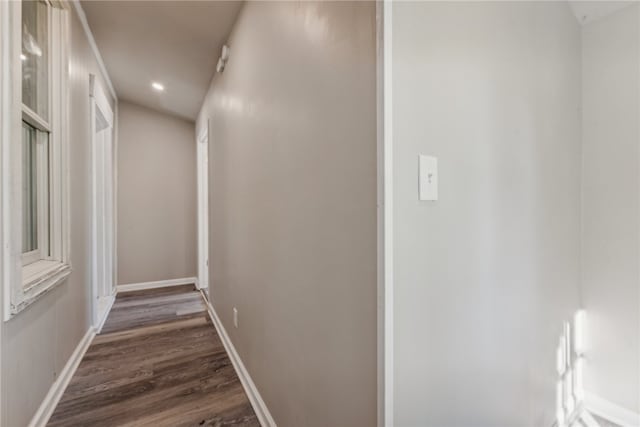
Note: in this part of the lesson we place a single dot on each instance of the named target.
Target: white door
(203, 209)
(103, 286)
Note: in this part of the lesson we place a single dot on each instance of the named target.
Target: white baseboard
(58, 387)
(610, 411)
(260, 408)
(100, 324)
(159, 284)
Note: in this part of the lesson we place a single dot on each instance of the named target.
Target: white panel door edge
(203, 207)
(103, 215)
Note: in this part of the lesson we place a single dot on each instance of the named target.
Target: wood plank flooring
(158, 362)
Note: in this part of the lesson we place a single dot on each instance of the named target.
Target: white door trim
(385, 213)
(99, 102)
(202, 160)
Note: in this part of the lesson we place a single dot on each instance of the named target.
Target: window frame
(24, 284)
(44, 167)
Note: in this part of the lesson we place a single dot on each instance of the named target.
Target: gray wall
(157, 204)
(293, 207)
(37, 342)
(485, 276)
(611, 206)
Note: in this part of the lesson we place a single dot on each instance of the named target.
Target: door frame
(99, 102)
(202, 160)
(384, 131)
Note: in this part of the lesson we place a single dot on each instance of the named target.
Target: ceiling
(589, 11)
(176, 43)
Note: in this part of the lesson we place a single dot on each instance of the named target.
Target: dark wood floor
(157, 362)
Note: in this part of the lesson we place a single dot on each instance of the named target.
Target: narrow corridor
(320, 213)
(158, 361)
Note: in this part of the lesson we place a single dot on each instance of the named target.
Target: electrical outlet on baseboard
(235, 317)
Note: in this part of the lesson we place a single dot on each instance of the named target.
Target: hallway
(320, 213)
(158, 361)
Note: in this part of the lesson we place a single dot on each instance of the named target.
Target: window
(35, 131)
(35, 194)
(33, 54)
(35, 59)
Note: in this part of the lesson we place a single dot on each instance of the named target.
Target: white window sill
(38, 278)
(37, 272)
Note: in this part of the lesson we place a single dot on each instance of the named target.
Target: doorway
(203, 209)
(103, 283)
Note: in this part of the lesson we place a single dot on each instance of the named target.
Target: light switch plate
(428, 178)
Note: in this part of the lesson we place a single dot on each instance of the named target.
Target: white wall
(293, 206)
(611, 205)
(157, 204)
(485, 276)
(37, 342)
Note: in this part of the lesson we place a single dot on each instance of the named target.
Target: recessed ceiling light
(157, 86)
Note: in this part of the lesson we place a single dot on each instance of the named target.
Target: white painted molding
(159, 284)
(4, 20)
(610, 411)
(380, 323)
(94, 47)
(101, 322)
(387, 28)
(58, 387)
(102, 189)
(260, 408)
(588, 420)
(115, 195)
